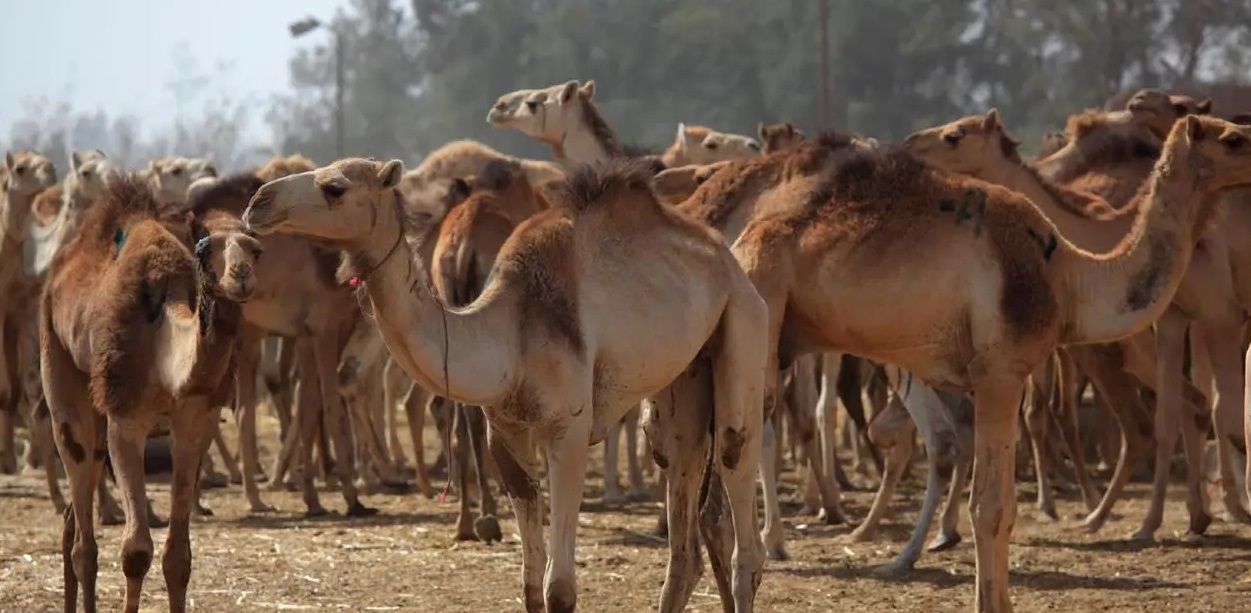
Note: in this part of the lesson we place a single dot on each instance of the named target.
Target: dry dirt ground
(405, 560)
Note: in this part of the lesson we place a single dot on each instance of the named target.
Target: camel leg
(827, 411)
(189, 428)
(228, 458)
(487, 526)
(514, 453)
(675, 422)
(949, 530)
(634, 468)
(1036, 426)
(804, 430)
(996, 396)
(1223, 341)
(613, 496)
(308, 418)
(1063, 406)
(893, 431)
(1169, 423)
(245, 417)
(374, 447)
(291, 441)
(126, 436)
(460, 449)
(275, 363)
(566, 464)
(391, 382)
(774, 538)
(326, 357)
(415, 409)
(39, 423)
(1120, 395)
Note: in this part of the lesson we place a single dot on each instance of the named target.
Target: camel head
(340, 203)
(701, 145)
(279, 167)
(546, 114)
(230, 252)
(1158, 111)
(90, 172)
(968, 145)
(1218, 150)
(675, 185)
(778, 136)
(1052, 142)
(26, 173)
(171, 176)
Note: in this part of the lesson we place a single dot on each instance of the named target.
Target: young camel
(1206, 298)
(702, 145)
(131, 332)
(979, 145)
(1017, 289)
(553, 362)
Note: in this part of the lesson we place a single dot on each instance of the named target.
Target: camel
(170, 177)
(1017, 289)
(1206, 297)
(980, 146)
(554, 343)
(703, 145)
(24, 175)
(779, 136)
(298, 299)
(132, 331)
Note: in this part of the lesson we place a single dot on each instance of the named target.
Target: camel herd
(716, 296)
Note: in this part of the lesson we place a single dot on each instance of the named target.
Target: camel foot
(1236, 514)
(777, 552)
(1199, 525)
(257, 507)
(356, 509)
(1143, 535)
(831, 517)
(112, 518)
(487, 529)
(894, 568)
(155, 521)
(1047, 516)
(1194, 538)
(943, 542)
(214, 480)
(661, 529)
(464, 533)
(614, 497)
(32, 471)
(59, 505)
(1094, 522)
(316, 511)
(861, 535)
(201, 511)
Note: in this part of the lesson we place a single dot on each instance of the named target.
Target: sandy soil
(405, 560)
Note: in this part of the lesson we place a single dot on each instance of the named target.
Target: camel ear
(76, 160)
(391, 174)
(1205, 107)
(681, 133)
(990, 121)
(588, 89)
(760, 131)
(1193, 129)
(566, 94)
(9, 161)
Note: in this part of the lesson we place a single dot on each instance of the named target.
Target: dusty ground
(405, 560)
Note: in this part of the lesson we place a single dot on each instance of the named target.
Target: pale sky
(118, 55)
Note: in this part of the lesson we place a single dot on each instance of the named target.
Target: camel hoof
(113, 519)
(1093, 523)
(487, 529)
(831, 518)
(259, 507)
(1199, 525)
(1047, 516)
(1238, 515)
(214, 480)
(464, 534)
(861, 536)
(1143, 536)
(155, 521)
(778, 553)
(317, 511)
(614, 497)
(943, 542)
(1193, 538)
(893, 569)
(356, 509)
(661, 529)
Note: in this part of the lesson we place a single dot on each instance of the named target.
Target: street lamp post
(306, 25)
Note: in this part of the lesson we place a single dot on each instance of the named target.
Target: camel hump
(594, 186)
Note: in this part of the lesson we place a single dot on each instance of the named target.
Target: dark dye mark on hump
(543, 265)
(1148, 283)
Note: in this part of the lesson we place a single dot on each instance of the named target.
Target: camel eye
(256, 254)
(332, 191)
(20, 170)
(532, 105)
(953, 137)
(711, 146)
(1234, 142)
(176, 172)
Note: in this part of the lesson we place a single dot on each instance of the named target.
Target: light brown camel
(1016, 289)
(171, 176)
(980, 146)
(24, 175)
(131, 332)
(1206, 299)
(779, 136)
(554, 363)
(297, 298)
(703, 145)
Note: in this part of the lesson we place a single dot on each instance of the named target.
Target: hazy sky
(118, 55)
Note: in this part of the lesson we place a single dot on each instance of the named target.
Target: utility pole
(306, 25)
(823, 115)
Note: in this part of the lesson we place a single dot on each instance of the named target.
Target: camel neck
(1122, 292)
(465, 354)
(586, 139)
(1072, 212)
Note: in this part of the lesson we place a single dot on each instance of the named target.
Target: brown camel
(779, 136)
(132, 331)
(558, 365)
(24, 175)
(979, 145)
(1032, 290)
(1206, 297)
(297, 298)
(703, 145)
